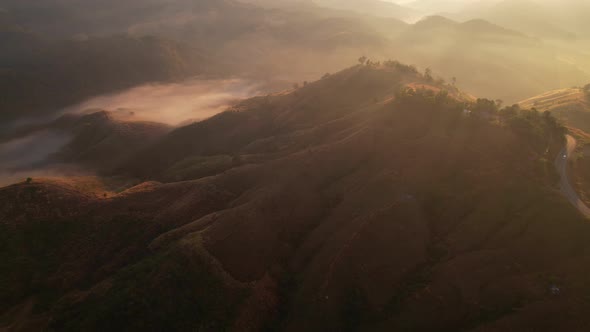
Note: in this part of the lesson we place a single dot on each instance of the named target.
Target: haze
(172, 104)
(294, 165)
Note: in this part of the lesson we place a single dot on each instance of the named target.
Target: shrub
(400, 67)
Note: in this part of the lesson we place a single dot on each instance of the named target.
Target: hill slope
(572, 106)
(74, 144)
(353, 204)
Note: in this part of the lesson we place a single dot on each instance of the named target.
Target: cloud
(174, 103)
(32, 150)
(26, 156)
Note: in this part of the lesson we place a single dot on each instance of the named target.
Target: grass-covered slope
(572, 106)
(353, 204)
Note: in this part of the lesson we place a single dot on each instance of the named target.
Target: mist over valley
(294, 165)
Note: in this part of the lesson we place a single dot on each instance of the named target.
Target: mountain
(40, 78)
(484, 56)
(100, 140)
(295, 42)
(367, 200)
(75, 144)
(438, 6)
(543, 19)
(377, 8)
(64, 19)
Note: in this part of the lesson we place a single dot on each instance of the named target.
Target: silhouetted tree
(363, 60)
(29, 180)
(487, 106)
(508, 113)
(537, 129)
(428, 74)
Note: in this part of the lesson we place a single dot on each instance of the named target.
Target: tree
(485, 107)
(507, 113)
(29, 180)
(362, 60)
(428, 74)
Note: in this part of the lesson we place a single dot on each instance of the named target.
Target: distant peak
(480, 25)
(436, 20)
(98, 115)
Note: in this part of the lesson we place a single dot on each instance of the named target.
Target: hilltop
(367, 200)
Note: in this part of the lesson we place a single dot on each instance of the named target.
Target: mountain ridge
(266, 249)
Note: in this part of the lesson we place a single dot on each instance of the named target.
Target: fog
(26, 156)
(174, 103)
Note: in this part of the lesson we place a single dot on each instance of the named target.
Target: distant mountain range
(38, 77)
(301, 42)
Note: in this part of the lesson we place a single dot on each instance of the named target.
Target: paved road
(566, 187)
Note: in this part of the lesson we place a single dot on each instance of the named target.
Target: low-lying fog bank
(25, 157)
(172, 104)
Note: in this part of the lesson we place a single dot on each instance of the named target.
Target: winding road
(566, 186)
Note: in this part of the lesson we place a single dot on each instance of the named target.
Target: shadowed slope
(363, 208)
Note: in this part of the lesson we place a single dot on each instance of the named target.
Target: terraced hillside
(572, 106)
